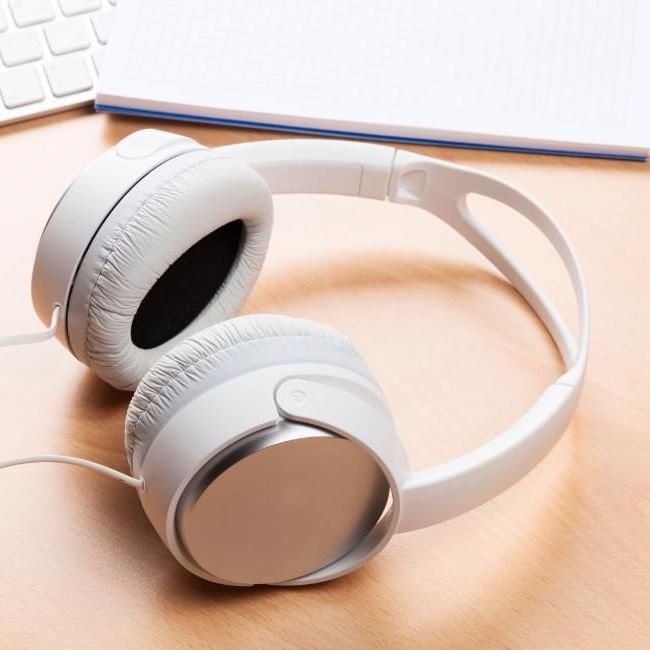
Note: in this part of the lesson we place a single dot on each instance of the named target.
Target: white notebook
(562, 76)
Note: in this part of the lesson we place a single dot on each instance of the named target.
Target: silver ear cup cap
(280, 504)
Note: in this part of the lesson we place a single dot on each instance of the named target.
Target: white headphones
(262, 448)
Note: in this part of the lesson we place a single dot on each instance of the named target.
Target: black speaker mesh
(186, 287)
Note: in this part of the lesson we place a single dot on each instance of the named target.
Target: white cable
(38, 337)
(34, 337)
(71, 460)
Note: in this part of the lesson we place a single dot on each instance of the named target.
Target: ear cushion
(183, 202)
(220, 353)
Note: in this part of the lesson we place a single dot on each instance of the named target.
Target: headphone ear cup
(180, 252)
(220, 353)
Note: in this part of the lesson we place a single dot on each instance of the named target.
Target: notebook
(552, 76)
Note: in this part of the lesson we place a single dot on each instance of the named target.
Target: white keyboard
(50, 54)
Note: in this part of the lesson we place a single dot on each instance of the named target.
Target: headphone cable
(72, 460)
(34, 337)
(39, 337)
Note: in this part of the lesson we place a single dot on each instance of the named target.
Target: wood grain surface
(561, 560)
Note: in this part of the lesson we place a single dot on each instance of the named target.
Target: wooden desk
(562, 560)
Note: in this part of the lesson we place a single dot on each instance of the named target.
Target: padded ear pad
(220, 353)
(180, 252)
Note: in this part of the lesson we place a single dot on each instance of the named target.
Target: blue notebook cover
(107, 108)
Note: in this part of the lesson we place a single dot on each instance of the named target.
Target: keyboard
(50, 54)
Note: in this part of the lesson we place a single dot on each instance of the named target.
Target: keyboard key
(31, 12)
(20, 47)
(65, 37)
(50, 54)
(74, 7)
(20, 87)
(68, 76)
(102, 25)
(97, 60)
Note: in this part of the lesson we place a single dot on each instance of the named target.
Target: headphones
(261, 447)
